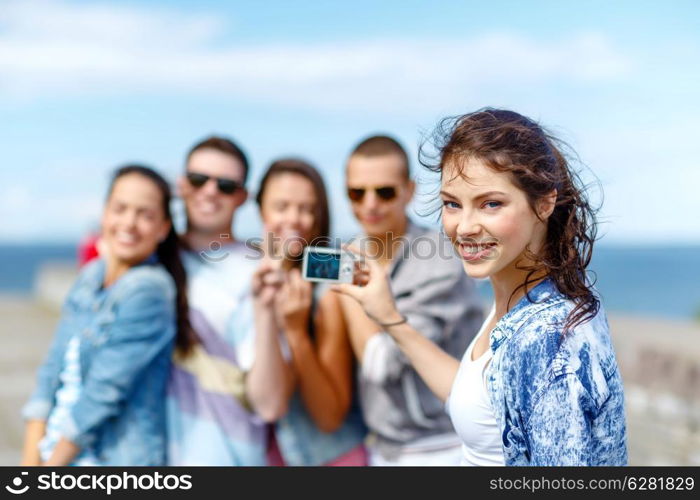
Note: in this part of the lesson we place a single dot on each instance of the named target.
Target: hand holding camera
(267, 280)
(293, 303)
(371, 289)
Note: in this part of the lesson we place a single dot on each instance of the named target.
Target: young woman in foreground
(539, 385)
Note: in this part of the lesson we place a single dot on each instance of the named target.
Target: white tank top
(469, 408)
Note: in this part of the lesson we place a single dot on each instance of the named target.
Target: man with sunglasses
(231, 382)
(212, 188)
(408, 424)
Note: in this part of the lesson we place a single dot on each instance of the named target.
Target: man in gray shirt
(408, 424)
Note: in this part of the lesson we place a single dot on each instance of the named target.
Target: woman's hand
(375, 296)
(294, 303)
(267, 281)
(282, 246)
(35, 430)
(63, 453)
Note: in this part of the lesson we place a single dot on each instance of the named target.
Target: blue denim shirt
(302, 443)
(558, 400)
(126, 338)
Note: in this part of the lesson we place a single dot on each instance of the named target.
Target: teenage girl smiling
(539, 385)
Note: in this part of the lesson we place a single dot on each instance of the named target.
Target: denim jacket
(126, 338)
(558, 400)
(302, 443)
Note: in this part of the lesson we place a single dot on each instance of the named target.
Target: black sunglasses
(386, 193)
(226, 186)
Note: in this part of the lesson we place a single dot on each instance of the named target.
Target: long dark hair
(509, 142)
(322, 220)
(168, 252)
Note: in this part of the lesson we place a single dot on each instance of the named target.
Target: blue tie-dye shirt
(557, 399)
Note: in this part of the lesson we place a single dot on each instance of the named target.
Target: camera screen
(323, 265)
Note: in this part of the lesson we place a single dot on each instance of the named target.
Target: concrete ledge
(660, 365)
(53, 282)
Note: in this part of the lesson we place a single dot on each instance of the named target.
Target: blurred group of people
(202, 349)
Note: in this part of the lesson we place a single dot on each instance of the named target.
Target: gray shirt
(432, 290)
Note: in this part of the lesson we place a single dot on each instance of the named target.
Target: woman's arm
(41, 401)
(323, 367)
(63, 453)
(34, 432)
(437, 368)
(269, 383)
(359, 327)
(559, 431)
(142, 331)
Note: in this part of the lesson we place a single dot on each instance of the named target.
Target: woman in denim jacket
(539, 385)
(100, 392)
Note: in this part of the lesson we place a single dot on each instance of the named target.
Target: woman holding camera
(539, 384)
(322, 426)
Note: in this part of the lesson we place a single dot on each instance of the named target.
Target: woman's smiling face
(488, 219)
(288, 210)
(133, 222)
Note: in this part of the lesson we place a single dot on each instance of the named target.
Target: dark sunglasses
(385, 193)
(226, 186)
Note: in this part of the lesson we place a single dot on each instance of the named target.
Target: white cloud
(50, 49)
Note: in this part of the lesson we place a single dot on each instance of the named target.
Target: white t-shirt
(219, 288)
(207, 425)
(470, 409)
(66, 397)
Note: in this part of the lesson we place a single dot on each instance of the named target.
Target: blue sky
(87, 86)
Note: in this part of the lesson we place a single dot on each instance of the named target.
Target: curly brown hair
(510, 142)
